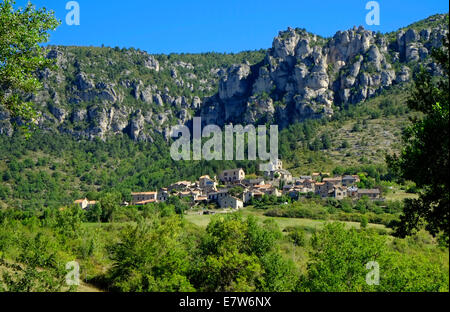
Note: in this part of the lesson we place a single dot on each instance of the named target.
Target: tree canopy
(424, 158)
(22, 31)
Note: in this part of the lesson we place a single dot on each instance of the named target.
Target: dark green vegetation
(424, 157)
(363, 210)
(21, 33)
(51, 171)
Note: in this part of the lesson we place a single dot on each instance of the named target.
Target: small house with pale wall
(206, 182)
(372, 193)
(230, 202)
(233, 175)
(85, 203)
(143, 197)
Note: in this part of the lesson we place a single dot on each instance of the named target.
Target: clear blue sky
(222, 26)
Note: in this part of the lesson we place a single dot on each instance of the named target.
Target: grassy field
(400, 195)
(308, 224)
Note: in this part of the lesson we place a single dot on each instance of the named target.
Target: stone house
(253, 182)
(372, 193)
(215, 196)
(143, 196)
(205, 182)
(350, 180)
(321, 188)
(145, 202)
(230, 202)
(340, 192)
(282, 175)
(163, 195)
(201, 199)
(179, 186)
(307, 184)
(233, 175)
(336, 181)
(249, 194)
(352, 191)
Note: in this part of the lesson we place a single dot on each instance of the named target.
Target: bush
(296, 235)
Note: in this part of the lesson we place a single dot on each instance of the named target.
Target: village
(275, 182)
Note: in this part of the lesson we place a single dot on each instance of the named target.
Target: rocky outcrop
(152, 63)
(302, 76)
(137, 125)
(5, 124)
(234, 84)
(308, 76)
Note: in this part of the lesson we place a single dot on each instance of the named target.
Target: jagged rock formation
(305, 76)
(98, 92)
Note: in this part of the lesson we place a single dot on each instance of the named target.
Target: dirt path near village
(84, 287)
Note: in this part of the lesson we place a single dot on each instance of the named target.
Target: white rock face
(307, 75)
(234, 84)
(83, 82)
(403, 75)
(263, 83)
(146, 95)
(375, 57)
(152, 63)
(158, 100)
(284, 47)
(79, 115)
(412, 52)
(137, 125)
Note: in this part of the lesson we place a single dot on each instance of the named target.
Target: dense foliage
(50, 171)
(154, 249)
(21, 33)
(424, 158)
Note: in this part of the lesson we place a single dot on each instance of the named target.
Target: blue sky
(222, 26)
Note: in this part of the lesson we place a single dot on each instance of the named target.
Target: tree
(238, 254)
(94, 214)
(338, 261)
(179, 205)
(297, 235)
(68, 221)
(424, 158)
(364, 222)
(326, 141)
(109, 204)
(21, 33)
(316, 145)
(151, 257)
(236, 191)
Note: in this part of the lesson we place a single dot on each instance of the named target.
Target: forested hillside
(100, 101)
